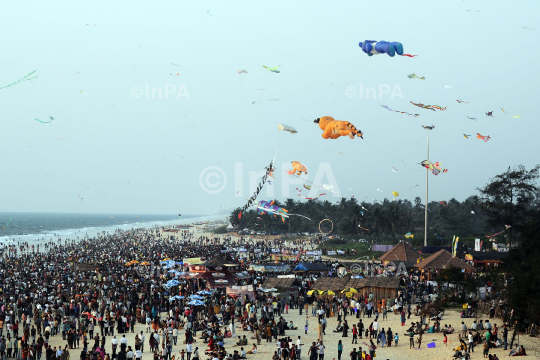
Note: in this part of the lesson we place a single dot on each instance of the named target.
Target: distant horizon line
(82, 213)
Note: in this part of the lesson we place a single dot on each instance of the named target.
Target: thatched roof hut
(281, 284)
(380, 287)
(442, 259)
(401, 252)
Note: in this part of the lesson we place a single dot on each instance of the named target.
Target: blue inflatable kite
(372, 47)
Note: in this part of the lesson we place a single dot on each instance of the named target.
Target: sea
(39, 227)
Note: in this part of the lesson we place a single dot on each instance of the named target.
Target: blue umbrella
(196, 297)
(205, 292)
(195, 302)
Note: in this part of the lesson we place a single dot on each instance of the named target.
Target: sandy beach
(266, 350)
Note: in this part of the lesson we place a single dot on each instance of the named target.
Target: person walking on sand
(345, 329)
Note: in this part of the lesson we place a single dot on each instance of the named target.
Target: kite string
(20, 80)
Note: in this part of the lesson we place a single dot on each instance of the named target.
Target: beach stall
(401, 252)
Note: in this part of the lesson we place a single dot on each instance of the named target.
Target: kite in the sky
(287, 128)
(45, 122)
(461, 101)
(401, 112)
(179, 215)
(447, 86)
(379, 190)
(429, 107)
(394, 169)
(257, 102)
(528, 28)
(473, 10)
(9, 222)
(208, 11)
(274, 69)
(21, 80)
(434, 167)
(269, 169)
(308, 187)
(485, 138)
(409, 55)
(89, 95)
(80, 197)
(413, 75)
(489, 113)
(372, 47)
(506, 228)
(242, 72)
(515, 116)
(395, 193)
(298, 168)
(423, 207)
(175, 64)
(363, 228)
(266, 207)
(470, 118)
(308, 198)
(409, 235)
(443, 204)
(334, 129)
(91, 25)
(466, 136)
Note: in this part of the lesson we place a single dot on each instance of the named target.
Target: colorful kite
(409, 55)
(413, 75)
(443, 204)
(21, 80)
(9, 222)
(485, 138)
(394, 169)
(489, 113)
(308, 187)
(506, 228)
(528, 28)
(373, 47)
(298, 168)
(80, 197)
(332, 228)
(45, 122)
(434, 167)
(395, 193)
(470, 118)
(287, 128)
(266, 207)
(409, 235)
(274, 69)
(242, 72)
(515, 116)
(334, 129)
(307, 198)
(269, 169)
(363, 228)
(466, 136)
(461, 101)
(429, 107)
(402, 112)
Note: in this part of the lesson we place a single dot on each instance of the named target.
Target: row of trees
(507, 199)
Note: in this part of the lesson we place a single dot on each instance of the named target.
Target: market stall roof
(442, 259)
(401, 252)
(488, 256)
(282, 284)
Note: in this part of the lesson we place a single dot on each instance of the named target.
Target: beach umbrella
(195, 302)
(134, 262)
(349, 290)
(196, 297)
(328, 292)
(145, 263)
(205, 292)
(179, 297)
(314, 292)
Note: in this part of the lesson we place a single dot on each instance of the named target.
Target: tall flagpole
(427, 180)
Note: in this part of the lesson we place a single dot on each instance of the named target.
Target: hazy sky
(126, 154)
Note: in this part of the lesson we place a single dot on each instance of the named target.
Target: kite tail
(354, 130)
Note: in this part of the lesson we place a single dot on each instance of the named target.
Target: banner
(193, 261)
(477, 245)
(330, 252)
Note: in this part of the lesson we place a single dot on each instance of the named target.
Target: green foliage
(509, 197)
(523, 273)
(387, 221)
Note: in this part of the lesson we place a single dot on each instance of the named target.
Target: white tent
(230, 227)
